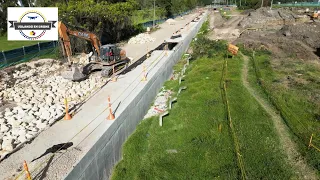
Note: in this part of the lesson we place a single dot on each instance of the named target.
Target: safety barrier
(223, 87)
(26, 53)
(175, 99)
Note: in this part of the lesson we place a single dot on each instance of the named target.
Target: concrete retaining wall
(106, 152)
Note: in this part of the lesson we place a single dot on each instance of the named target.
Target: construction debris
(308, 33)
(266, 18)
(141, 39)
(284, 32)
(84, 58)
(160, 103)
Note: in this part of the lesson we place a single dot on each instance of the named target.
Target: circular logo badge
(32, 17)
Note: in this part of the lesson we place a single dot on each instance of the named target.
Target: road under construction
(96, 141)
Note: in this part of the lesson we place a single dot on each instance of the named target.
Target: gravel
(141, 39)
(37, 93)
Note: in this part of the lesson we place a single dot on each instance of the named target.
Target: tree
(3, 14)
(110, 21)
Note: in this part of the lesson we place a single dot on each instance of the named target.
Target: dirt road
(228, 30)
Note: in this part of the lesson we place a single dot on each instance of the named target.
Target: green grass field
(6, 45)
(192, 130)
(293, 88)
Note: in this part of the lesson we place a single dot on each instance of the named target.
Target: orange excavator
(109, 57)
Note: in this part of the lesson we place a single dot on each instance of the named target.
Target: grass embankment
(293, 87)
(190, 145)
(191, 129)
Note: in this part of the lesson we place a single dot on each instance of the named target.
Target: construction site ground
(291, 38)
(86, 126)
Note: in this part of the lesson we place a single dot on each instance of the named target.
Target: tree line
(111, 20)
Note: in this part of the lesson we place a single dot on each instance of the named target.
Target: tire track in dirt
(294, 158)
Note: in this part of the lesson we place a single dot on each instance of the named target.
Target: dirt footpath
(225, 29)
(302, 170)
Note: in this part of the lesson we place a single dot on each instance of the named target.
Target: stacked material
(141, 39)
(171, 21)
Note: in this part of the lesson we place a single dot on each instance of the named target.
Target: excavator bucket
(73, 74)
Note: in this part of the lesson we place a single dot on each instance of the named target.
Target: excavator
(109, 57)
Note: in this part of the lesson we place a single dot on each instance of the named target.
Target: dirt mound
(247, 11)
(290, 35)
(264, 18)
(308, 33)
(280, 46)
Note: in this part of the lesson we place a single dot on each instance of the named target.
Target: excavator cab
(110, 52)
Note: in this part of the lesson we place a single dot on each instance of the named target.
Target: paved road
(78, 130)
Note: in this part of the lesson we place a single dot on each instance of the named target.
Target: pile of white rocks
(160, 103)
(83, 58)
(38, 101)
(141, 39)
(171, 21)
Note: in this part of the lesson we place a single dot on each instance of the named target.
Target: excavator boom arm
(64, 33)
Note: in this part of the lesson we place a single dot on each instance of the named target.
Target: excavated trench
(317, 52)
(169, 45)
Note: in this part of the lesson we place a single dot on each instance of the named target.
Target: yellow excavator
(109, 56)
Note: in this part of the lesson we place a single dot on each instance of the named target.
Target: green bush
(203, 46)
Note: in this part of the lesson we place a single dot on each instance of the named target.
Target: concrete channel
(131, 106)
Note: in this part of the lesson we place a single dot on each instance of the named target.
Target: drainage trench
(162, 46)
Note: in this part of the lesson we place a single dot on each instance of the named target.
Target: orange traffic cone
(144, 78)
(67, 116)
(25, 166)
(111, 115)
